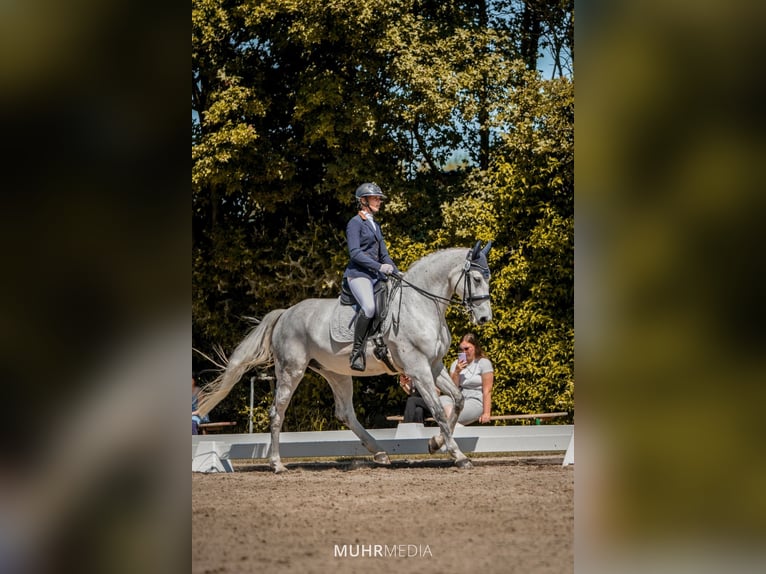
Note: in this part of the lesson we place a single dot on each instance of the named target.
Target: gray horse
(415, 332)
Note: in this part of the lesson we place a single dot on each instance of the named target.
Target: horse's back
(308, 317)
(314, 309)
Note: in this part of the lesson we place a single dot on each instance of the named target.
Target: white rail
(406, 438)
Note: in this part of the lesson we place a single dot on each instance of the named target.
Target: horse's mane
(425, 261)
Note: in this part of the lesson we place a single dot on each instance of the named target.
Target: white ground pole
(406, 438)
(252, 394)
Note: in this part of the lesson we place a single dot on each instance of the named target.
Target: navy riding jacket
(367, 249)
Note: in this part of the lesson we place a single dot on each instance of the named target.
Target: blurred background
(94, 301)
(668, 287)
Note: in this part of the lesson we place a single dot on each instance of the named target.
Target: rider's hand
(386, 269)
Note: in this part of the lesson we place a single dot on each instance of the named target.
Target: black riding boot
(358, 358)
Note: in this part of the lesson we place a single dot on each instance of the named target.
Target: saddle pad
(341, 329)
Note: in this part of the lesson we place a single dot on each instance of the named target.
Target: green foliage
(297, 102)
(525, 203)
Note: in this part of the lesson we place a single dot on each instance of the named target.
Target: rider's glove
(386, 269)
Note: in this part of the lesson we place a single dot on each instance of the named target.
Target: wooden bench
(206, 428)
(537, 416)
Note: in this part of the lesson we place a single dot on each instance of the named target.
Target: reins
(468, 298)
(422, 291)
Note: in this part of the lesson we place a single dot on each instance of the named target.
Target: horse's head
(476, 283)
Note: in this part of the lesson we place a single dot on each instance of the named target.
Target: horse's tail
(253, 351)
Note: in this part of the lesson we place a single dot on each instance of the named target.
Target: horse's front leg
(447, 387)
(435, 443)
(446, 425)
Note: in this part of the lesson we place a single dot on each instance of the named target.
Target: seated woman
(474, 375)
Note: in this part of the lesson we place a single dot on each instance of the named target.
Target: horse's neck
(439, 273)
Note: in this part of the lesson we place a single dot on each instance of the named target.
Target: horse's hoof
(278, 468)
(381, 458)
(464, 463)
(434, 447)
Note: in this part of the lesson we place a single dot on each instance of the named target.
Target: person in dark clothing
(416, 410)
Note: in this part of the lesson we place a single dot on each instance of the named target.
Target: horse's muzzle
(482, 319)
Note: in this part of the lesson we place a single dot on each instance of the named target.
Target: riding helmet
(369, 189)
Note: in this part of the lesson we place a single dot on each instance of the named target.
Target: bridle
(469, 300)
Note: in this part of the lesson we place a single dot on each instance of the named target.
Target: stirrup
(358, 361)
(359, 367)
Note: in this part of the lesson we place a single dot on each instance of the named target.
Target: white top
(470, 377)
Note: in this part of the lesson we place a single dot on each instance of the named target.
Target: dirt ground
(507, 514)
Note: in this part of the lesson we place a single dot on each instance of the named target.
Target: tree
(527, 205)
(297, 102)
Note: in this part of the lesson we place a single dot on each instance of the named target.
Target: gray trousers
(472, 408)
(361, 287)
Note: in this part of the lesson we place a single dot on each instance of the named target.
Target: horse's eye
(477, 280)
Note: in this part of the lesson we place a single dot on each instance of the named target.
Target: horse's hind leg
(343, 389)
(287, 381)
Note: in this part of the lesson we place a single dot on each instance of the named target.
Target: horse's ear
(475, 250)
(487, 247)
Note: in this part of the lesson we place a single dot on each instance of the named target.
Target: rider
(369, 263)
